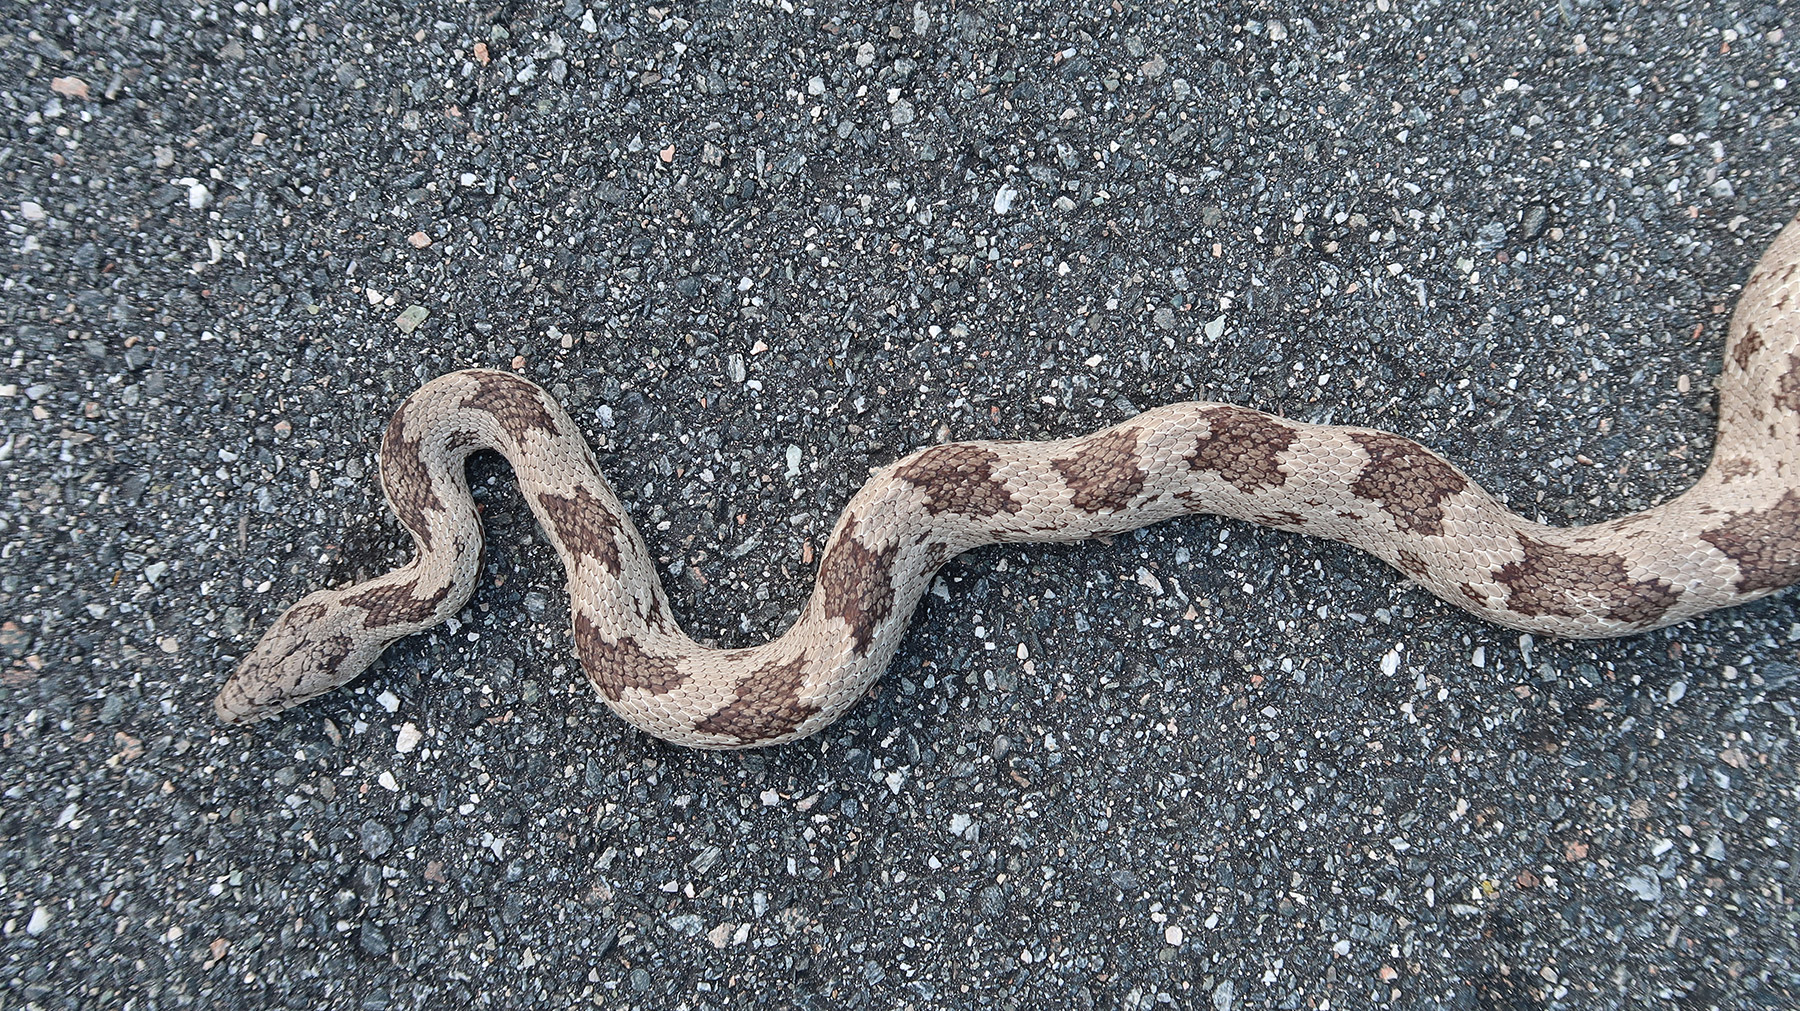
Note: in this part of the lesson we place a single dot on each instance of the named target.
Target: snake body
(1731, 538)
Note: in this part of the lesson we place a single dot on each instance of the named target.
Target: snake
(1732, 537)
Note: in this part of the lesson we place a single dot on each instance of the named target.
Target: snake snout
(313, 648)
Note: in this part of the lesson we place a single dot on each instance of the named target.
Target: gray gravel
(758, 251)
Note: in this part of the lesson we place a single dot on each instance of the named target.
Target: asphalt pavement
(757, 250)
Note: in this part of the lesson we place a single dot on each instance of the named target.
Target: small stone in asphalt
(376, 839)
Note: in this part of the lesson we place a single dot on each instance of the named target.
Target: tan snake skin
(1733, 537)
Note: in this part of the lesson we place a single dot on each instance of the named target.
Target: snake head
(314, 647)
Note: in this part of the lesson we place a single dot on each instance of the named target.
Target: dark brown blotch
(397, 604)
(1411, 564)
(407, 481)
(304, 614)
(1476, 597)
(616, 666)
(936, 554)
(1764, 544)
(331, 653)
(516, 404)
(584, 525)
(855, 584)
(654, 612)
(1104, 473)
(1787, 388)
(1747, 348)
(1244, 447)
(1407, 480)
(1551, 580)
(1280, 518)
(767, 705)
(959, 478)
(1736, 467)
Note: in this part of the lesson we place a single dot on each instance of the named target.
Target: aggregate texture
(758, 250)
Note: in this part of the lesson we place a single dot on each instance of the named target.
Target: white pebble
(1148, 581)
(388, 782)
(198, 196)
(1003, 198)
(31, 210)
(40, 921)
(1391, 662)
(408, 738)
(389, 701)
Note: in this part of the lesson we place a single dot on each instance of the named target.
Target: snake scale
(1733, 537)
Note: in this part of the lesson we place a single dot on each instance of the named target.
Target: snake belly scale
(1731, 538)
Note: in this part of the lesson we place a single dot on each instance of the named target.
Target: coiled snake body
(1733, 537)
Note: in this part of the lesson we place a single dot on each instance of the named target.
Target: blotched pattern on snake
(1733, 537)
